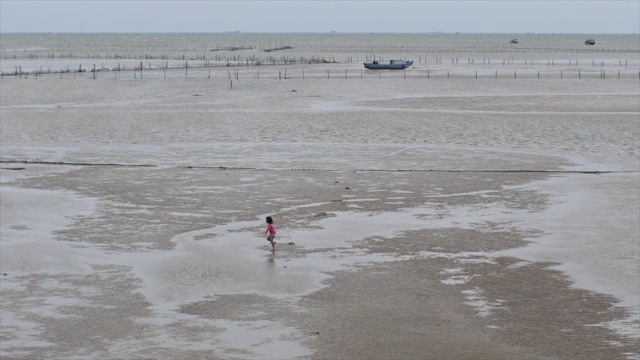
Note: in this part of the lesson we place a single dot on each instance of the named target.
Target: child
(271, 230)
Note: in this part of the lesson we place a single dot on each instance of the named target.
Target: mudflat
(446, 218)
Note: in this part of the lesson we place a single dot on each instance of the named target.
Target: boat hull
(393, 65)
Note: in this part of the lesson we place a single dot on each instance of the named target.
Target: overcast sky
(507, 16)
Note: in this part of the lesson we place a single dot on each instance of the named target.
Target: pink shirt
(271, 229)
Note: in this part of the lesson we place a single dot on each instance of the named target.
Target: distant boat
(589, 42)
(391, 65)
(514, 41)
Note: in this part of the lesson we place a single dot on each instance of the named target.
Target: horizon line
(308, 32)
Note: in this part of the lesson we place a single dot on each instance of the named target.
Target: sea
(50, 51)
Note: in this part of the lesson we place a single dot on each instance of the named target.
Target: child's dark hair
(269, 220)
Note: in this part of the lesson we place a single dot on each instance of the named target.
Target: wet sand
(455, 219)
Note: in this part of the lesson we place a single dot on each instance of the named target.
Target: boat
(391, 65)
(589, 42)
(514, 41)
